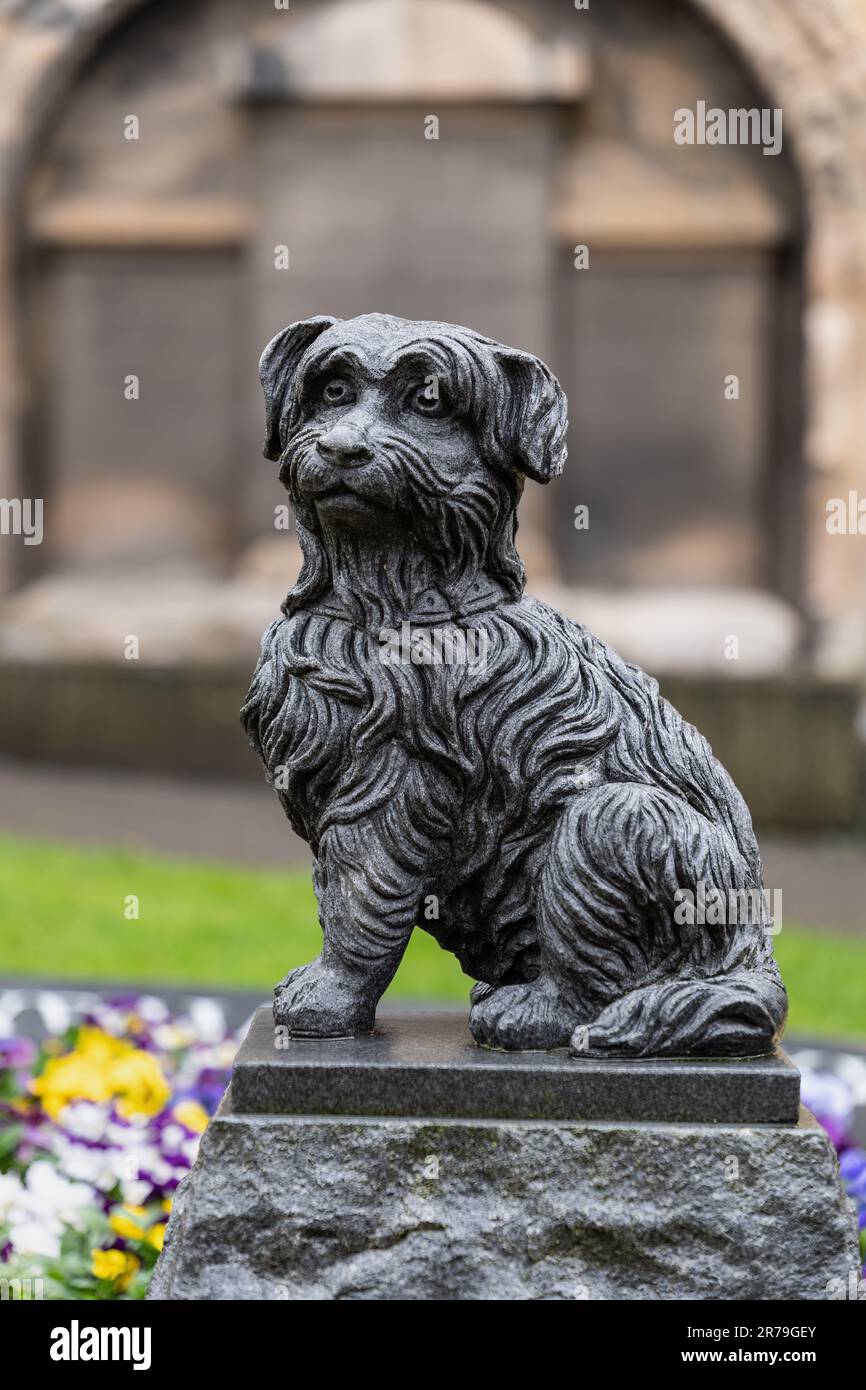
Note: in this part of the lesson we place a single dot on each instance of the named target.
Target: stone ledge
(429, 1066)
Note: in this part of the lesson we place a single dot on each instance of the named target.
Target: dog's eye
(337, 392)
(427, 399)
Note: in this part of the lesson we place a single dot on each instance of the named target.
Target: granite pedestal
(415, 1165)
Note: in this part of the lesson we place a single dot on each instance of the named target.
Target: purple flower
(852, 1165)
(175, 1160)
(16, 1053)
(836, 1131)
(828, 1097)
(208, 1090)
(857, 1190)
(162, 1120)
(118, 1119)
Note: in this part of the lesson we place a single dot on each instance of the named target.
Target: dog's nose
(344, 445)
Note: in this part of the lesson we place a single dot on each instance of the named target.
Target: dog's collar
(431, 608)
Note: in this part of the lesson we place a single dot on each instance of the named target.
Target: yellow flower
(166, 1204)
(138, 1080)
(118, 1265)
(128, 1223)
(100, 1046)
(99, 1068)
(73, 1077)
(191, 1114)
(156, 1235)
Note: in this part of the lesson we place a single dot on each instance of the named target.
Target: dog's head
(383, 426)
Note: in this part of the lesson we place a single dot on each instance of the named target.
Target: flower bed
(829, 1098)
(99, 1126)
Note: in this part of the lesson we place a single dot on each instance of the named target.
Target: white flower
(50, 1194)
(145, 1158)
(36, 1238)
(44, 1203)
(170, 1037)
(135, 1192)
(54, 1011)
(87, 1165)
(128, 1134)
(172, 1138)
(85, 1119)
(10, 1192)
(208, 1020)
(151, 1009)
(852, 1070)
(112, 1020)
(189, 1147)
(827, 1095)
(12, 1004)
(160, 1170)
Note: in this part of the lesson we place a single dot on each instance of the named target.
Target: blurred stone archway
(809, 56)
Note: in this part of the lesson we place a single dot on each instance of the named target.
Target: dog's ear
(277, 367)
(532, 416)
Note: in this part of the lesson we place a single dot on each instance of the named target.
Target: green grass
(62, 916)
(825, 975)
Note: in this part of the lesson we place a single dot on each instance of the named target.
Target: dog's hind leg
(616, 964)
(589, 945)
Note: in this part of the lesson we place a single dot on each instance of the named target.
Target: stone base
(301, 1207)
(428, 1066)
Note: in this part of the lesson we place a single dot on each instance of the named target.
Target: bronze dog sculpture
(540, 809)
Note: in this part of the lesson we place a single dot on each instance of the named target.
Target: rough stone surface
(430, 1066)
(281, 1207)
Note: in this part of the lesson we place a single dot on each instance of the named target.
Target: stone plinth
(429, 1066)
(411, 1204)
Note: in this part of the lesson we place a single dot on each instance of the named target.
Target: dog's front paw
(528, 1017)
(314, 1001)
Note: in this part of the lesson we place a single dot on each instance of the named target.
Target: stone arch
(436, 52)
(809, 58)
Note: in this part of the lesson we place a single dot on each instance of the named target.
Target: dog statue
(539, 809)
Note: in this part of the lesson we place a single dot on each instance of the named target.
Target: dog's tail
(736, 1015)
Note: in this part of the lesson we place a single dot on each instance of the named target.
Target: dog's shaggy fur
(538, 812)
